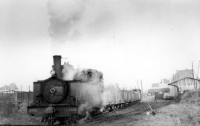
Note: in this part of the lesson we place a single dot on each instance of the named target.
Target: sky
(129, 41)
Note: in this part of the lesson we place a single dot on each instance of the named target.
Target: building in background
(180, 74)
(159, 88)
(184, 84)
(7, 88)
(182, 81)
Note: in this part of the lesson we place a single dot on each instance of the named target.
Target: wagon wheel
(113, 107)
(50, 120)
(109, 109)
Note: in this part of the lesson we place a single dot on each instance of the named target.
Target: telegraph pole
(192, 70)
(198, 71)
(138, 85)
(141, 87)
(193, 76)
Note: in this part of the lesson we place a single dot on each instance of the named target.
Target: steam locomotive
(57, 99)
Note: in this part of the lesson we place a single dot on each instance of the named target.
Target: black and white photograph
(100, 62)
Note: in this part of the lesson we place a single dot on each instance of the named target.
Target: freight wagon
(114, 98)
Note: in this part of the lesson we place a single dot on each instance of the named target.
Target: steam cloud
(68, 71)
(92, 87)
(111, 95)
(93, 90)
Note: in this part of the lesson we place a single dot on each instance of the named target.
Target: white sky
(128, 40)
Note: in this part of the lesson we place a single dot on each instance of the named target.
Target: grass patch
(21, 117)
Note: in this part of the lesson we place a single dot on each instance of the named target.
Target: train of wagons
(56, 99)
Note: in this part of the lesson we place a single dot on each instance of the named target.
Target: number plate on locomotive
(72, 109)
(32, 110)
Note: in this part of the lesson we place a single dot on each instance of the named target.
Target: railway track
(136, 109)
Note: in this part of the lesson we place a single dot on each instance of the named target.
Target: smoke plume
(65, 16)
(72, 19)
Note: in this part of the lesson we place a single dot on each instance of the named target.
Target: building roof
(180, 74)
(155, 85)
(12, 86)
(183, 79)
(165, 80)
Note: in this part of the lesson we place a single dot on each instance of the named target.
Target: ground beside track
(184, 111)
(117, 117)
(130, 115)
(20, 118)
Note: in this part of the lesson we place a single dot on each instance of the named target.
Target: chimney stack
(57, 65)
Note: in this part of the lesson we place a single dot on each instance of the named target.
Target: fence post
(21, 93)
(28, 95)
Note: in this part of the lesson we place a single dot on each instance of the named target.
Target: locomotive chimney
(57, 65)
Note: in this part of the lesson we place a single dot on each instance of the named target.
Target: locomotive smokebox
(57, 66)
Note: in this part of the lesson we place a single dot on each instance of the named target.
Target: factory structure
(182, 80)
(157, 87)
(12, 93)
